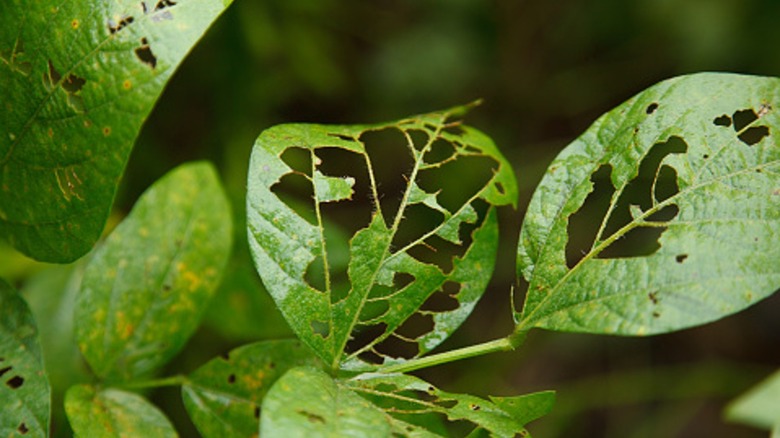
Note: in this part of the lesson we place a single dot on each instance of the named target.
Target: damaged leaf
(25, 394)
(78, 79)
(223, 397)
(146, 288)
(689, 188)
(421, 254)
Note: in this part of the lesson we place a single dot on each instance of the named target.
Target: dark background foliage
(546, 70)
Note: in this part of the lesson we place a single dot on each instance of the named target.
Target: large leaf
(408, 396)
(223, 397)
(760, 406)
(109, 413)
(306, 402)
(78, 78)
(420, 195)
(146, 288)
(24, 390)
(695, 159)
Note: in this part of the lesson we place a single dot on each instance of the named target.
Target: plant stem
(154, 383)
(504, 344)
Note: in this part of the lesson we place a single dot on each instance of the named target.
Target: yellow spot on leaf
(127, 84)
(87, 123)
(50, 133)
(107, 131)
(74, 24)
(144, 232)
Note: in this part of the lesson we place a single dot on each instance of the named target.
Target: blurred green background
(546, 70)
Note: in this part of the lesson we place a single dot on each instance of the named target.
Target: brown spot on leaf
(15, 382)
(145, 55)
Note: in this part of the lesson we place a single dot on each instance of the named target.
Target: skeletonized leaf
(24, 390)
(694, 160)
(78, 79)
(111, 413)
(223, 397)
(408, 396)
(306, 402)
(146, 288)
(760, 406)
(419, 197)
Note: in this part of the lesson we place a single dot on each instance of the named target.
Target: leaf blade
(80, 79)
(724, 223)
(147, 286)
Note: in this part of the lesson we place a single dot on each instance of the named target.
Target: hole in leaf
(297, 191)
(380, 291)
(651, 186)
(447, 404)
(440, 150)
(418, 220)
(437, 251)
(500, 188)
(415, 326)
(257, 412)
(651, 108)
(653, 297)
(370, 356)
(681, 258)
(73, 84)
(723, 120)
(320, 328)
(299, 159)
(364, 335)
(162, 4)
(374, 309)
(443, 300)
(458, 180)
(743, 118)
(22, 429)
(754, 135)
(114, 27)
(397, 347)
(392, 163)
(402, 279)
(231, 379)
(15, 382)
(315, 274)
(145, 55)
(54, 75)
(584, 224)
(5, 370)
(348, 215)
(419, 138)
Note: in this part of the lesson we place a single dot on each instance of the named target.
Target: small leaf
(419, 196)
(146, 288)
(410, 396)
(24, 389)
(223, 397)
(112, 413)
(690, 233)
(306, 402)
(78, 79)
(760, 406)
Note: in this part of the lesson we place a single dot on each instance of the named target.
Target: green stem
(504, 344)
(154, 383)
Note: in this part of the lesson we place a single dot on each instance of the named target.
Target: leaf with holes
(406, 397)
(78, 78)
(146, 288)
(690, 231)
(760, 406)
(113, 413)
(418, 198)
(24, 389)
(223, 397)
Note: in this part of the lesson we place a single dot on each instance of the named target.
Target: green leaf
(760, 406)
(24, 389)
(423, 241)
(223, 397)
(114, 413)
(698, 158)
(306, 402)
(146, 288)
(408, 396)
(78, 79)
